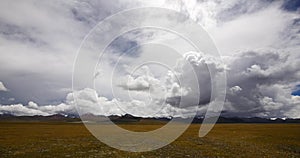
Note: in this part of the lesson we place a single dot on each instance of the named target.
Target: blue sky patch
(297, 91)
(291, 5)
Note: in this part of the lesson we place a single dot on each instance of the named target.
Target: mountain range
(131, 119)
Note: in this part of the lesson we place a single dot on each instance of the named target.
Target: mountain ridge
(127, 118)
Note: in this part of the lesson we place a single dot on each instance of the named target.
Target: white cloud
(139, 84)
(88, 101)
(32, 105)
(266, 26)
(39, 37)
(2, 87)
(235, 89)
(238, 25)
(19, 110)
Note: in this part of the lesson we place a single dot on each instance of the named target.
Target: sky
(258, 42)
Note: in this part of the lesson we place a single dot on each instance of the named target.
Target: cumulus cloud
(19, 110)
(265, 81)
(257, 86)
(207, 69)
(33, 108)
(88, 101)
(258, 40)
(140, 83)
(235, 89)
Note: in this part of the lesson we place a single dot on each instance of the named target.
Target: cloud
(19, 110)
(207, 69)
(257, 86)
(235, 89)
(88, 101)
(138, 84)
(258, 40)
(264, 80)
(237, 25)
(2, 87)
(33, 108)
(37, 37)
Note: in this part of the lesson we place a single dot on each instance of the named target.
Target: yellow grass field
(42, 139)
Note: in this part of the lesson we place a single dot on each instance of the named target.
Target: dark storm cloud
(264, 77)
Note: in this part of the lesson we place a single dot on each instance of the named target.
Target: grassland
(19, 139)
